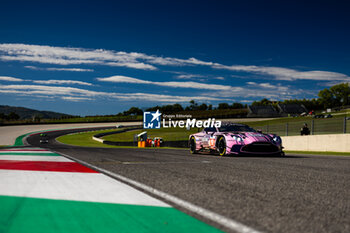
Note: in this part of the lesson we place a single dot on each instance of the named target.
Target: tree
(133, 111)
(313, 104)
(13, 116)
(326, 98)
(193, 106)
(237, 106)
(203, 107)
(341, 93)
(37, 117)
(223, 106)
(177, 108)
(263, 102)
(337, 95)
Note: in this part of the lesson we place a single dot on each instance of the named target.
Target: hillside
(27, 113)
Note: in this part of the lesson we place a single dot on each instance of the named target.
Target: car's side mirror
(259, 131)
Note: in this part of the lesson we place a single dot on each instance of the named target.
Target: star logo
(155, 115)
(151, 120)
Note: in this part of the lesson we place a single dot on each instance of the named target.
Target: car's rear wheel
(222, 146)
(193, 146)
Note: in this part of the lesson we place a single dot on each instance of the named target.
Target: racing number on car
(212, 141)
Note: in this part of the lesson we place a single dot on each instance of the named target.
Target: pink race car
(235, 139)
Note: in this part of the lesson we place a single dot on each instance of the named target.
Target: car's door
(208, 134)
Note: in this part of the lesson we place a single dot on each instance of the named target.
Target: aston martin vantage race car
(235, 139)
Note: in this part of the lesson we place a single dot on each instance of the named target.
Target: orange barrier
(149, 142)
(157, 143)
(141, 143)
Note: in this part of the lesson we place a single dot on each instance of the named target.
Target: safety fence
(335, 125)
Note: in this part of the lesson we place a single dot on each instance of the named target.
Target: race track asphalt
(295, 193)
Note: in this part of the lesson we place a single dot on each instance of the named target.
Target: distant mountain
(27, 113)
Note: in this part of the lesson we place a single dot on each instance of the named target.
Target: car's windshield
(213, 129)
(236, 128)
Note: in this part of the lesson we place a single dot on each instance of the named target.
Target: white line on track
(73, 186)
(219, 219)
(35, 158)
(25, 151)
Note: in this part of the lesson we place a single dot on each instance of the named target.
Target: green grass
(83, 139)
(318, 152)
(168, 134)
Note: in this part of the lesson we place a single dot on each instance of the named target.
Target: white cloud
(53, 81)
(75, 99)
(48, 60)
(59, 69)
(10, 79)
(72, 56)
(164, 98)
(61, 82)
(139, 65)
(74, 94)
(268, 85)
(263, 90)
(189, 76)
(48, 90)
(76, 56)
(125, 79)
(287, 74)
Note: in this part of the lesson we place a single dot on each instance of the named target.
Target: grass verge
(85, 139)
(168, 134)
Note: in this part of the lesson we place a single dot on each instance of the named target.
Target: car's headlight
(237, 138)
(277, 139)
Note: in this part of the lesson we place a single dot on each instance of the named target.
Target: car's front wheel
(193, 146)
(222, 146)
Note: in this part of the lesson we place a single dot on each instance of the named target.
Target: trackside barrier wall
(330, 142)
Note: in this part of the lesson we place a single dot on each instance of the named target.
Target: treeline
(312, 104)
(176, 108)
(12, 116)
(333, 97)
(194, 106)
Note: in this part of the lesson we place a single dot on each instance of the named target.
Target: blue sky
(102, 57)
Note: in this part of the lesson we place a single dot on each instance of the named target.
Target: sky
(103, 57)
